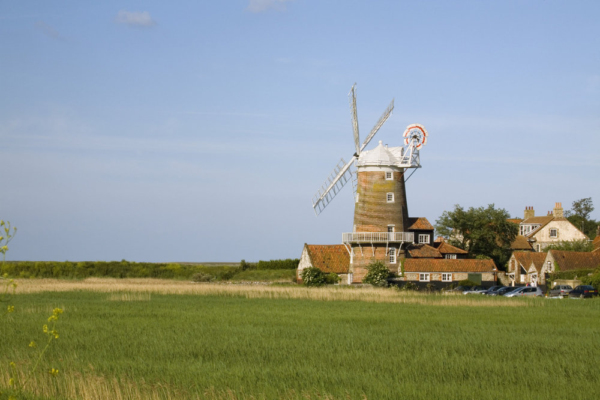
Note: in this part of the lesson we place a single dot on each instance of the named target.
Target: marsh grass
(127, 287)
(217, 341)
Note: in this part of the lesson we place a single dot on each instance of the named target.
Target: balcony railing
(378, 237)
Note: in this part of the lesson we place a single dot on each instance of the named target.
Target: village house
(525, 267)
(557, 260)
(537, 232)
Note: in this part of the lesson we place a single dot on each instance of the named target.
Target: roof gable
(423, 251)
(445, 248)
(520, 243)
(419, 224)
(527, 258)
(329, 258)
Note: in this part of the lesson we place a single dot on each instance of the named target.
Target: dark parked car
(560, 291)
(493, 289)
(583, 291)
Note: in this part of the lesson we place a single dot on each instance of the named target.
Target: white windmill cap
(380, 155)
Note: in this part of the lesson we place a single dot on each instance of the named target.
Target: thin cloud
(48, 30)
(257, 6)
(135, 18)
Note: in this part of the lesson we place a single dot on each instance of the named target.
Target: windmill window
(392, 254)
(553, 233)
(357, 197)
(389, 176)
(390, 197)
(423, 238)
(423, 277)
(446, 277)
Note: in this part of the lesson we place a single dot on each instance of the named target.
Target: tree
(377, 274)
(579, 215)
(480, 231)
(573, 245)
(312, 276)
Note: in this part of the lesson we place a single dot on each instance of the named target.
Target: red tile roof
(525, 258)
(329, 258)
(446, 265)
(515, 220)
(571, 260)
(423, 251)
(419, 224)
(445, 248)
(520, 243)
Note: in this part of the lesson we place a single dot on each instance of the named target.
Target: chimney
(558, 211)
(529, 213)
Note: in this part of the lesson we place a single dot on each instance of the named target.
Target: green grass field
(147, 345)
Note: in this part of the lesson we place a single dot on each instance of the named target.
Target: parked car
(502, 291)
(583, 291)
(527, 291)
(475, 290)
(560, 291)
(492, 290)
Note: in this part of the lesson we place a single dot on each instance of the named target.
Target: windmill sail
(352, 95)
(340, 175)
(386, 114)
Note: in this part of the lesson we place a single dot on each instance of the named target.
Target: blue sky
(200, 130)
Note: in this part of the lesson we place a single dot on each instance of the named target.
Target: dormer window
(389, 176)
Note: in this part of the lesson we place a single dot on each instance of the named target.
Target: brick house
(328, 258)
(570, 261)
(541, 231)
(525, 267)
(442, 272)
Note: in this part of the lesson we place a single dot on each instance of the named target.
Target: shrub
(201, 277)
(467, 282)
(332, 278)
(245, 265)
(279, 264)
(313, 277)
(409, 286)
(377, 275)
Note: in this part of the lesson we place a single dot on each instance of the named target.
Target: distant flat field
(143, 338)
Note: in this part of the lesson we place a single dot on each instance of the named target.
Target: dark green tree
(480, 231)
(579, 215)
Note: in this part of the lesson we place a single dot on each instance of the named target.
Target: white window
(539, 248)
(446, 277)
(390, 228)
(450, 256)
(553, 233)
(423, 238)
(390, 197)
(392, 254)
(549, 266)
(423, 277)
(389, 176)
(357, 197)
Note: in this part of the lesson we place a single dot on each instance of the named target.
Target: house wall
(304, 263)
(456, 276)
(566, 232)
(369, 255)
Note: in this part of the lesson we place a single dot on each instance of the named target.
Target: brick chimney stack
(529, 212)
(558, 211)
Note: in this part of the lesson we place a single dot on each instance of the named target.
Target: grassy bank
(211, 341)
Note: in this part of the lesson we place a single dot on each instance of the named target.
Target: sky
(200, 130)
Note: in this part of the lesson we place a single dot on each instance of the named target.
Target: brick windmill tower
(381, 223)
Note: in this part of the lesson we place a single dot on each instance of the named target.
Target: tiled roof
(423, 251)
(520, 243)
(445, 248)
(419, 224)
(329, 258)
(570, 260)
(596, 243)
(525, 258)
(446, 265)
(515, 220)
(538, 220)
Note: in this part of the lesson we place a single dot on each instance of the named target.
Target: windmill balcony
(378, 237)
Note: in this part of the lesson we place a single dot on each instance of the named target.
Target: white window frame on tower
(357, 194)
(424, 277)
(390, 197)
(392, 255)
(389, 176)
(423, 238)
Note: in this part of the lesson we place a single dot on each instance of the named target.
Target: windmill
(342, 173)
(381, 213)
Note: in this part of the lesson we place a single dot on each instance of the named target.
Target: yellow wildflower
(11, 382)
(11, 309)
(45, 328)
(53, 372)
(33, 344)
